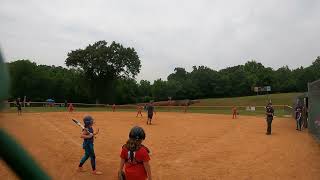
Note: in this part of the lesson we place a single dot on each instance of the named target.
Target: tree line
(105, 73)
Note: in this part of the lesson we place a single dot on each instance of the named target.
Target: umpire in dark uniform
(269, 114)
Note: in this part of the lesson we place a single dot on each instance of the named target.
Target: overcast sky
(165, 33)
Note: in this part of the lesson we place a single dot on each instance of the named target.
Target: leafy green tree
(180, 74)
(27, 80)
(126, 91)
(315, 68)
(173, 88)
(107, 72)
(285, 81)
(40, 82)
(159, 90)
(145, 88)
(102, 64)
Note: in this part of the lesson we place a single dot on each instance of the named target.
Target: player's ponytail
(132, 145)
(136, 136)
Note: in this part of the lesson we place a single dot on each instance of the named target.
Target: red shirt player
(185, 108)
(70, 108)
(234, 112)
(135, 157)
(113, 108)
(139, 109)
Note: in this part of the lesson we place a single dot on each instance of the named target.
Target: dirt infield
(184, 146)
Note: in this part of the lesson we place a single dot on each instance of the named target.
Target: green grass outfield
(260, 100)
(279, 111)
(50, 109)
(210, 106)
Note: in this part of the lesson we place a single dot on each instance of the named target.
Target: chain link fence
(314, 108)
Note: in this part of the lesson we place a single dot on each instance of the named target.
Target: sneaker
(95, 172)
(80, 169)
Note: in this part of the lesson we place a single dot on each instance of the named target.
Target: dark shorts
(19, 108)
(150, 116)
(269, 118)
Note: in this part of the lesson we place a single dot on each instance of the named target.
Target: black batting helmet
(87, 120)
(137, 133)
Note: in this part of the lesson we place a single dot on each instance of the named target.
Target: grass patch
(260, 100)
(192, 109)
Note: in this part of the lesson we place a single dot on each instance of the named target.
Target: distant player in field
(234, 112)
(150, 111)
(19, 105)
(113, 108)
(269, 114)
(70, 108)
(65, 103)
(139, 110)
(299, 118)
(185, 108)
(88, 145)
(135, 157)
(296, 111)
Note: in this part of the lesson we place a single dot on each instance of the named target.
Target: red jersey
(139, 108)
(134, 170)
(70, 107)
(234, 110)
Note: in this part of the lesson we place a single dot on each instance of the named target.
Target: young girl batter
(88, 138)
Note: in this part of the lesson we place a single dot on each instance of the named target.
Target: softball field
(183, 145)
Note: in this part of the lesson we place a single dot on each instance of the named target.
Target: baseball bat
(80, 125)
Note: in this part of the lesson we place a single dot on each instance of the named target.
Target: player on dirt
(299, 118)
(234, 112)
(70, 108)
(18, 104)
(88, 145)
(135, 157)
(139, 110)
(185, 108)
(269, 114)
(150, 111)
(65, 103)
(113, 108)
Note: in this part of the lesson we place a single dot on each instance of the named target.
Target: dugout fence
(314, 108)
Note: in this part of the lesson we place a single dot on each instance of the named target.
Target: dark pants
(299, 124)
(149, 118)
(19, 110)
(89, 152)
(269, 122)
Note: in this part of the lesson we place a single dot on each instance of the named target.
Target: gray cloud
(166, 33)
